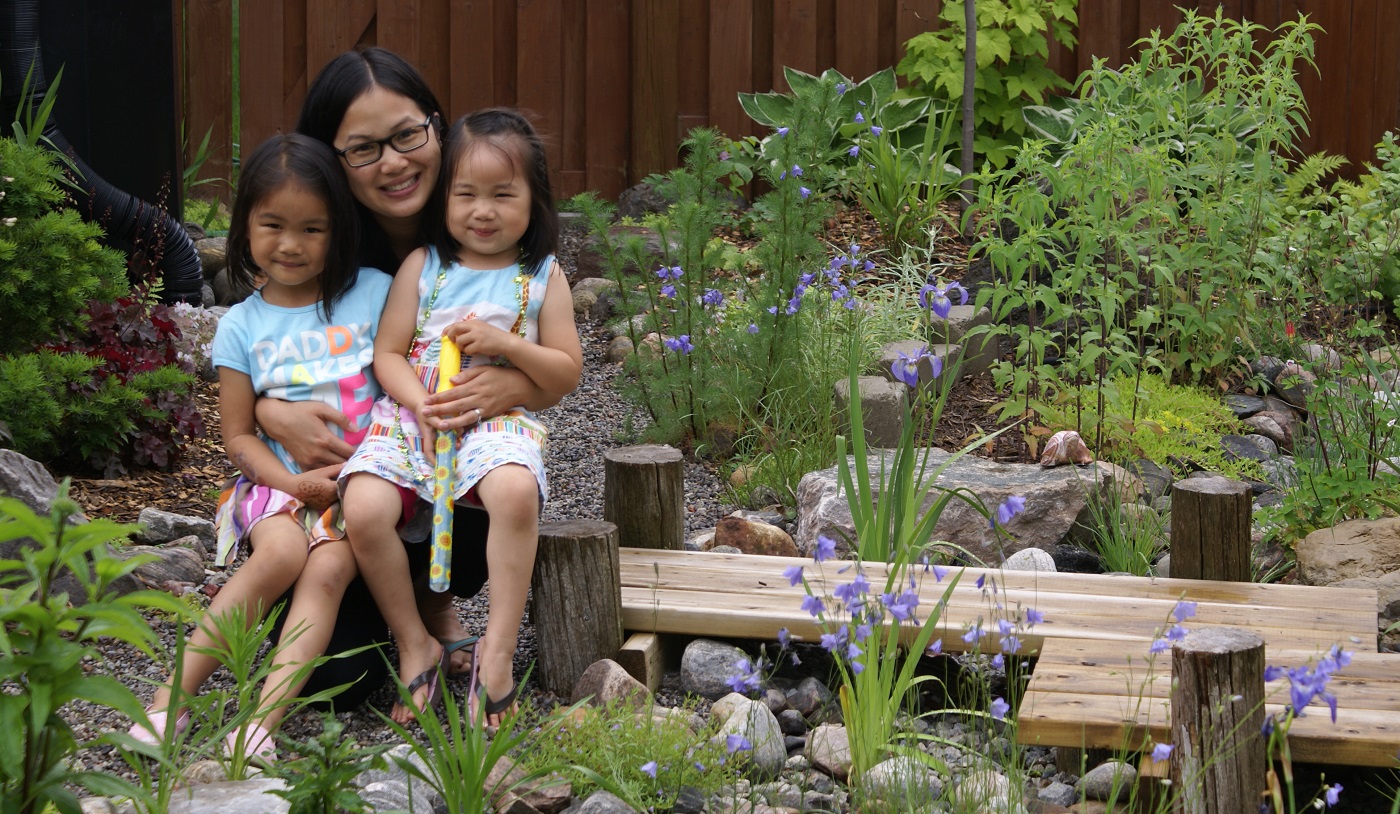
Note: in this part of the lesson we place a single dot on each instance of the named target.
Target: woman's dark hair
(512, 134)
(343, 80)
(296, 159)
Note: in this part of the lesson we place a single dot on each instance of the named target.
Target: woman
(379, 116)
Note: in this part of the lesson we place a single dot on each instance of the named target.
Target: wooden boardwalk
(1092, 685)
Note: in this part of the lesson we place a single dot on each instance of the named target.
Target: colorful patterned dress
(509, 299)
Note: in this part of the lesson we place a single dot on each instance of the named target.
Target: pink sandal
(158, 724)
(257, 743)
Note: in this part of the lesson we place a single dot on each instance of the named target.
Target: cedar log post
(644, 495)
(1218, 764)
(1210, 530)
(577, 600)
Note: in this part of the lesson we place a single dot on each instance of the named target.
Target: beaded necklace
(522, 295)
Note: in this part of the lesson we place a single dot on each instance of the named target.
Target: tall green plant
(46, 637)
(1138, 250)
(1012, 54)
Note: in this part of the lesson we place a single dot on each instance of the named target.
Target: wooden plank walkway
(1097, 694)
(746, 596)
(1094, 684)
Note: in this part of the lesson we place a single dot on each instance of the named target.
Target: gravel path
(584, 425)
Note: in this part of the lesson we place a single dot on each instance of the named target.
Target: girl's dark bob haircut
(306, 162)
(511, 133)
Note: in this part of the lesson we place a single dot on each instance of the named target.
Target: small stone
(1101, 781)
(1030, 559)
(602, 802)
(809, 696)
(1243, 406)
(1057, 793)
(755, 538)
(903, 781)
(608, 683)
(163, 527)
(619, 349)
(792, 722)
(829, 751)
(706, 667)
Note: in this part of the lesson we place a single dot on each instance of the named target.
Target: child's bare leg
(279, 554)
(307, 631)
(511, 495)
(441, 619)
(372, 507)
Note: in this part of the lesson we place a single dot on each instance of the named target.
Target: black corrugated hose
(161, 241)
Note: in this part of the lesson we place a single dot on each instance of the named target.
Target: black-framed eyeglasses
(404, 141)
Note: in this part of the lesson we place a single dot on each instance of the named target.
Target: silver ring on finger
(478, 414)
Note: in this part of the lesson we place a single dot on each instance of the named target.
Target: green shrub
(51, 263)
(1012, 68)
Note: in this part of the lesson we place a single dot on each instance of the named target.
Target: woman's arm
(251, 454)
(301, 427)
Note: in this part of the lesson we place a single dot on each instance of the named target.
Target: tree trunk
(1218, 762)
(644, 494)
(577, 600)
(1210, 530)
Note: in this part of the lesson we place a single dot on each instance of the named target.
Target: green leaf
(768, 109)
(804, 85)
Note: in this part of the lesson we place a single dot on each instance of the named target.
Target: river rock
(1056, 503)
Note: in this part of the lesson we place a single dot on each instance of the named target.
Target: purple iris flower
(1012, 506)
(1184, 610)
(1161, 751)
(1034, 617)
(906, 365)
(825, 550)
(668, 291)
(681, 344)
(793, 574)
(813, 605)
(1000, 708)
(712, 297)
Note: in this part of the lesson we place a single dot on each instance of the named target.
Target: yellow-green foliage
(1175, 425)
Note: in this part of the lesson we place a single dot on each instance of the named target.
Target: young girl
(491, 284)
(306, 334)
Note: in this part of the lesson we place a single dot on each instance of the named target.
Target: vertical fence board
(857, 40)
(208, 87)
(913, 17)
(693, 50)
(608, 102)
(471, 58)
(399, 28)
(539, 72)
(731, 65)
(572, 134)
(794, 39)
(1329, 101)
(1364, 57)
(654, 33)
(335, 26)
(262, 74)
(1386, 101)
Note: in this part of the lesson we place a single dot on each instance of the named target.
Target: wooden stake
(1218, 759)
(577, 600)
(1210, 529)
(644, 495)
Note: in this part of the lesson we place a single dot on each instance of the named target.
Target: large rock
(829, 750)
(232, 797)
(1356, 548)
(164, 527)
(27, 481)
(172, 564)
(905, 782)
(757, 725)
(606, 683)
(752, 537)
(706, 667)
(881, 408)
(1056, 502)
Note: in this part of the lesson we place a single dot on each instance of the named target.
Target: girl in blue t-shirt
(307, 333)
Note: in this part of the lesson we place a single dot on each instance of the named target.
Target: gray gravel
(587, 423)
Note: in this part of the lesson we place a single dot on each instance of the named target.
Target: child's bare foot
(495, 686)
(425, 665)
(443, 623)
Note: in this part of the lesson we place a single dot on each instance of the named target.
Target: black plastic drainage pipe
(153, 233)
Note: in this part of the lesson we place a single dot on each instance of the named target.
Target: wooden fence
(615, 84)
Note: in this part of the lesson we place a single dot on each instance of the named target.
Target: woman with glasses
(383, 122)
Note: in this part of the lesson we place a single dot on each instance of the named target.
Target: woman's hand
(302, 428)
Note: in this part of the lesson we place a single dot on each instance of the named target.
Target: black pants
(359, 623)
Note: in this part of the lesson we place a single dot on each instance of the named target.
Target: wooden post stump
(1218, 763)
(644, 494)
(1210, 529)
(577, 600)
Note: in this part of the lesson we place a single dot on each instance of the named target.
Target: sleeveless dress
(508, 298)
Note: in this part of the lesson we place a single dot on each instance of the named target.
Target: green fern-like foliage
(59, 411)
(51, 263)
(1304, 184)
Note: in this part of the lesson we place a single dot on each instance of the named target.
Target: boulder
(606, 682)
(1108, 781)
(1056, 503)
(752, 537)
(758, 727)
(232, 797)
(904, 782)
(164, 527)
(172, 564)
(27, 481)
(1356, 548)
(829, 750)
(706, 667)
(881, 409)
